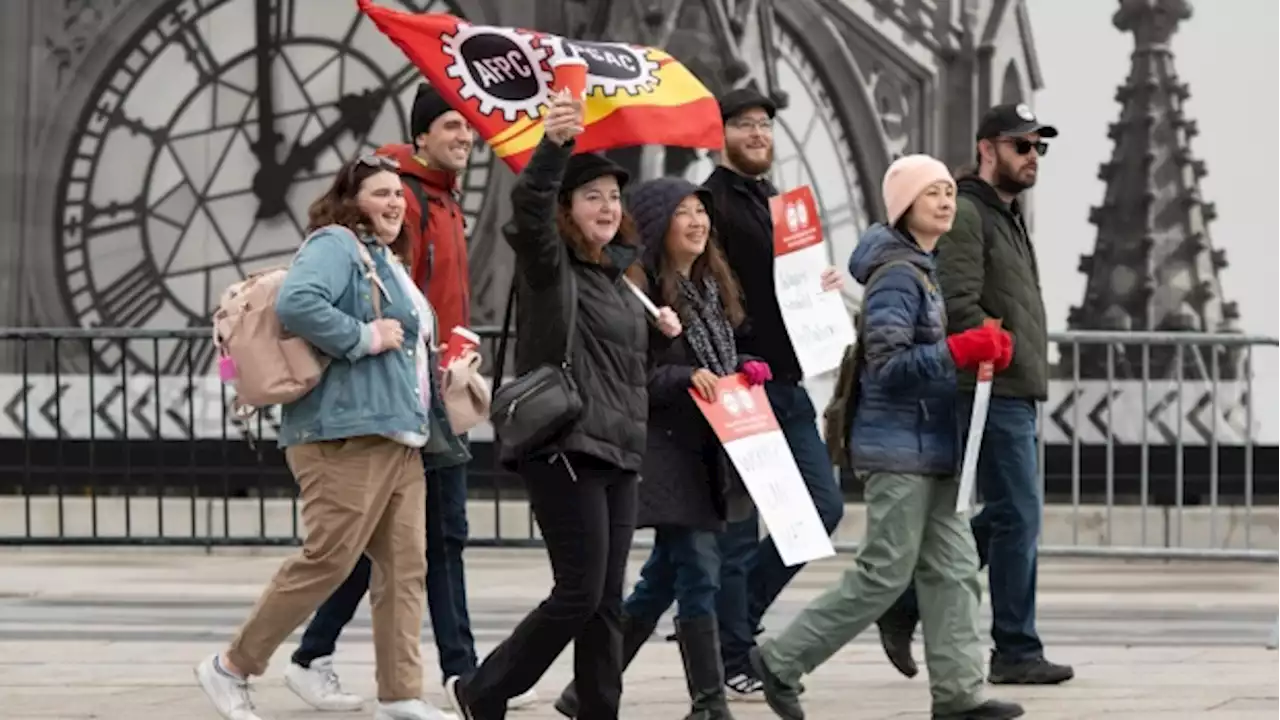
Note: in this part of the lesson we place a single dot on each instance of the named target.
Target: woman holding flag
(690, 488)
(903, 446)
(574, 250)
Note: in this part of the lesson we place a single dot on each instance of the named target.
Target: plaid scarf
(706, 327)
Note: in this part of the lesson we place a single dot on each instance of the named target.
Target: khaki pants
(912, 527)
(364, 494)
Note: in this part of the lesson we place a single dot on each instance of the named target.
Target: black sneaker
(783, 699)
(744, 688)
(989, 710)
(1035, 671)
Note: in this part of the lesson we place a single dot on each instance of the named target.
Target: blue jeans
(1008, 527)
(446, 583)
(752, 574)
(683, 567)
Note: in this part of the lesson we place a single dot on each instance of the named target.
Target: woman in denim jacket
(354, 443)
(903, 446)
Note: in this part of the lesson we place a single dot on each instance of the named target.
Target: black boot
(896, 626)
(634, 635)
(703, 669)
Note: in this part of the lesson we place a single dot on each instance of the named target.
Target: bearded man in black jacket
(752, 572)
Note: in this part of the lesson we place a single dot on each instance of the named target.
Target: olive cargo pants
(912, 528)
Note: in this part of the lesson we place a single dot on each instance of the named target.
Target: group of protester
(950, 256)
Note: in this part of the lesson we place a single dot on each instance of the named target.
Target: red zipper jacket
(440, 265)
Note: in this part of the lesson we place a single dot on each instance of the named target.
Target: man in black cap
(752, 572)
(987, 270)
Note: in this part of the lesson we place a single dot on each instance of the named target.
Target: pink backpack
(266, 364)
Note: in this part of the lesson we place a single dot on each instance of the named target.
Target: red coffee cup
(570, 73)
(461, 341)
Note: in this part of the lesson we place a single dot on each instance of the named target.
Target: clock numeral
(133, 299)
(285, 12)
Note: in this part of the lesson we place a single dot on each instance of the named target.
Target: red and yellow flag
(498, 78)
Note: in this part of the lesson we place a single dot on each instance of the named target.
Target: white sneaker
(230, 695)
(318, 686)
(410, 710)
(523, 700)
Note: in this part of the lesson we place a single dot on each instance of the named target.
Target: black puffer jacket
(612, 333)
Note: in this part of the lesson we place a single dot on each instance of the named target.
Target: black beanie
(427, 106)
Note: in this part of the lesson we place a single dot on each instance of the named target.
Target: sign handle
(644, 299)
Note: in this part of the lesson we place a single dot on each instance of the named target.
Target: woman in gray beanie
(690, 488)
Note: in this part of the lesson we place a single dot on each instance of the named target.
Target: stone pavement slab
(113, 634)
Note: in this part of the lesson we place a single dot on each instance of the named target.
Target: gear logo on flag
(500, 67)
(616, 67)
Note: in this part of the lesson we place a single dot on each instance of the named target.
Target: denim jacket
(906, 416)
(327, 300)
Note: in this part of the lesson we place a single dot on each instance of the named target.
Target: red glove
(975, 346)
(1006, 352)
(757, 372)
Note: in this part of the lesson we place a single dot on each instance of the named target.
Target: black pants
(586, 510)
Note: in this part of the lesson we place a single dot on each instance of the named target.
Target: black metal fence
(124, 437)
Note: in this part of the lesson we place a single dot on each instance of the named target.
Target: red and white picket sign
(745, 424)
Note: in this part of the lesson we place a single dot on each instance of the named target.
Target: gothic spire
(1153, 265)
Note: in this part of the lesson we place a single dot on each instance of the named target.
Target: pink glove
(757, 372)
(375, 347)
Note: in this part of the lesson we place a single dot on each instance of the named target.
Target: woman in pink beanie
(903, 447)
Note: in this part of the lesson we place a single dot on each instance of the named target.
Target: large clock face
(201, 148)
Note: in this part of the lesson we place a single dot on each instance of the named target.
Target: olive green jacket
(987, 269)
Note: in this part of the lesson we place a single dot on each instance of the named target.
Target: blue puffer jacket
(905, 421)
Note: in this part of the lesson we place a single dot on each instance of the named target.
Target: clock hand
(356, 114)
(268, 174)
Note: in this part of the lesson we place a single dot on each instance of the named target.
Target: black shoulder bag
(534, 409)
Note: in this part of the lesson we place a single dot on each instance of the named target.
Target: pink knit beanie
(907, 178)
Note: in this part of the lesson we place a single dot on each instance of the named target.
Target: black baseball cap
(1012, 119)
(742, 99)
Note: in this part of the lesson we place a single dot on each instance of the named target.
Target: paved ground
(111, 634)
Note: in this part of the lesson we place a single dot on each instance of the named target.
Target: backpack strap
(419, 191)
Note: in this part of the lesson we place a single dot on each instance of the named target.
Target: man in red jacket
(429, 168)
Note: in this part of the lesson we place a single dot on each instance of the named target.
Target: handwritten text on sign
(746, 426)
(817, 322)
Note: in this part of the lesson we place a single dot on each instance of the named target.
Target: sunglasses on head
(377, 162)
(1022, 147)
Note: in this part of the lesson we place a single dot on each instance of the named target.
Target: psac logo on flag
(506, 70)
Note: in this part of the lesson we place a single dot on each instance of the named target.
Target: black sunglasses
(1022, 147)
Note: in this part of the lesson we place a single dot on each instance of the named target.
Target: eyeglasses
(1022, 147)
(764, 126)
